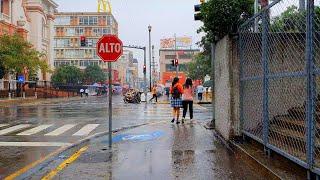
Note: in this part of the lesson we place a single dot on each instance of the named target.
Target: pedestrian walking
(176, 91)
(87, 92)
(187, 99)
(154, 93)
(200, 90)
(81, 92)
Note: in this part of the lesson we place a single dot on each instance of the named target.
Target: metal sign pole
(110, 104)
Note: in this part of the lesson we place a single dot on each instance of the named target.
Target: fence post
(310, 102)
(241, 82)
(265, 25)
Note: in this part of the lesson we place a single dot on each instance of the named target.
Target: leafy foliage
(2, 71)
(16, 54)
(293, 20)
(94, 73)
(199, 67)
(67, 75)
(221, 17)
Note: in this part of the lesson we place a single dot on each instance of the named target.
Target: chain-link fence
(280, 80)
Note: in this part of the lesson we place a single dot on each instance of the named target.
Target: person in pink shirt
(187, 99)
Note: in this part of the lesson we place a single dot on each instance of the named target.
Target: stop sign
(109, 48)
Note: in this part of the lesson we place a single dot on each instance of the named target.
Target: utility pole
(149, 28)
(153, 66)
(256, 10)
(176, 55)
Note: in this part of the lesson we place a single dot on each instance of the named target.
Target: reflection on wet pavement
(184, 152)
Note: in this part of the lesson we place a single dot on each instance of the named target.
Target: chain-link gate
(280, 80)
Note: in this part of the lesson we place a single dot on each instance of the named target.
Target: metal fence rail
(280, 80)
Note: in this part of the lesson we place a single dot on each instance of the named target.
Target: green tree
(67, 75)
(293, 20)
(222, 17)
(16, 54)
(93, 74)
(200, 66)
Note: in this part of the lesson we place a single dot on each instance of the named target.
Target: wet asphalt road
(155, 152)
(72, 117)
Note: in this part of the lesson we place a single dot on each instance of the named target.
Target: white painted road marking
(35, 130)
(86, 130)
(61, 130)
(34, 144)
(14, 129)
(3, 125)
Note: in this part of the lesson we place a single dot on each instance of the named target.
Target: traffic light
(176, 62)
(83, 42)
(172, 63)
(197, 15)
(144, 69)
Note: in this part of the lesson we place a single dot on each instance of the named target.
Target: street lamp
(149, 28)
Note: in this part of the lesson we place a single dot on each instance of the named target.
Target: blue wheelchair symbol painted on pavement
(138, 137)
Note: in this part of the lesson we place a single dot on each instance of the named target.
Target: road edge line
(51, 156)
(64, 164)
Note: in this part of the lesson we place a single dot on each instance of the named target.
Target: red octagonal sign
(109, 48)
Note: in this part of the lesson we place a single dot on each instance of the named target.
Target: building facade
(70, 28)
(167, 71)
(33, 20)
(127, 67)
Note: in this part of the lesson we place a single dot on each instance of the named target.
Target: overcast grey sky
(167, 17)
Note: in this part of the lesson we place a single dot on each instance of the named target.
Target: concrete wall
(286, 54)
(227, 88)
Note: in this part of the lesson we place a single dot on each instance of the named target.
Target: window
(109, 21)
(63, 20)
(185, 56)
(43, 29)
(106, 31)
(93, 20)
(84, 20)
(79, 31)
(70, 31)
(97, 32)
(170, 56)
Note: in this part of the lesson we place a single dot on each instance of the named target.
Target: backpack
(175, 93)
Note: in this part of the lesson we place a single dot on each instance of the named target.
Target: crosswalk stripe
(34, 130)
(34, 144)
(3, 125)
(86, 130)
(14, 129)
(61, 130)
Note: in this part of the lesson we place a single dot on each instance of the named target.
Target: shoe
(182, 121)
(172, 121)
(178, 122)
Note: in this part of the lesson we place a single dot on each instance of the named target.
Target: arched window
(43, 28)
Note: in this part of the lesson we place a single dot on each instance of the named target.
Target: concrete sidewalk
(158, 151)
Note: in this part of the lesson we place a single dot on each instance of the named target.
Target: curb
(247, 158)
(251, 160)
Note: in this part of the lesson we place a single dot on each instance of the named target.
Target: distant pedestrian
(81, 92)
(87, 92)
(200, 91)
(187, 99)
(176, 91)
(167, 92)
(154, 94)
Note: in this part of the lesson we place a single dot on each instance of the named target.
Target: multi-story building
(175, 48)
(33, 20)
(124, 66)
(71, 27)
